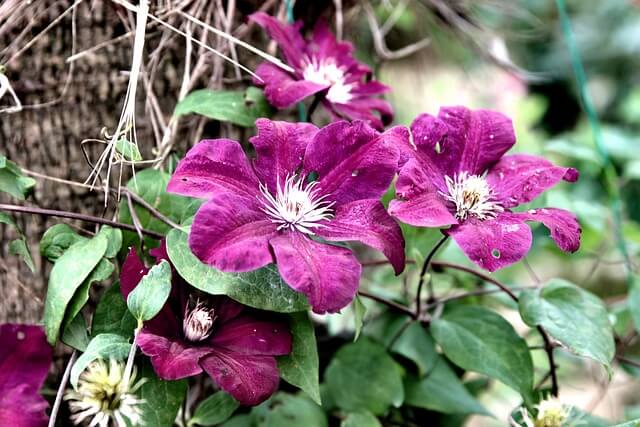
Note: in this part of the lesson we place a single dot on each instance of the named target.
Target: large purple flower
(324, 67)
(230, 342)
(456, 174)
(25, 358)
(272, 211)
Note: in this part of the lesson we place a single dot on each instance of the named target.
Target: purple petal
(353, 161)
(520, 178)
(437, 155)
(363, 108)
(368, 222)
(418, 201)
(282, 89)
(328, 275)
(133, 270)
(288, 37)
(249, 379)
(230, 233)
(476, 139)
(325, 46)
(225, 308)
(25, 359)
(564, 226)
(248, 335)
(213, 166)
(280, 147)
(171, 359)
(493, 244)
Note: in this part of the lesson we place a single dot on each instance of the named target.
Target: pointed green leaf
(19, 247)
(633, 302)
(360, 419)
(149, 296)
(103, 346)
(416, 344)
(67, 274)
(300, 367)
(359, 311)
(237, 107)
(263, 288)
(362, 376)
(13, 181)
(75, 334)
(477, 339)
(442, 391)
(214, 410)
(58, 239)
(112, 315)
(574, 317)
(128, 150)
(161, 399)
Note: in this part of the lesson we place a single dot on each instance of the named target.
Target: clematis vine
(456, 174)
(193, 333)
(323, 67)
(25, 358)
(307, 187)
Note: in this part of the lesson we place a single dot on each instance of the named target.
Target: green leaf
(362, 376)
(359, 311)
(128, 150)
(288, 410)
(67, 274)
(103, 346)
(239, 108)
(149, 296)
(214, 410)
(151, 185)
(58, 239)
(416, 344)
(441, 391)
(360, 419)
(574, 317)
(114, 239)
(633, 302)
(477, 339)
(300, 367)
(18, 246)
(13, 181)
(263, 288)
(112, 315)
(161, 399)
(75, 334)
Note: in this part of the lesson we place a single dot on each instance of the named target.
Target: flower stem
(423, 272)
(132, 353)
(391, 304)
(63, 385)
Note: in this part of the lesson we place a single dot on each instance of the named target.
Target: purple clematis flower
(456, 174)
(322, 66)
(227, 340)
(25, 358)
(270, 210)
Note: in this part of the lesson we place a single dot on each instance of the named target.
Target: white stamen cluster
(551, 413)
(198, 322)
(297, 206)
(103, 399)
(327, 72)
(471, 195)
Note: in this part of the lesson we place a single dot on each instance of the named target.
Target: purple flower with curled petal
(232, 343)
(324, 67)
(271, 210)
(25, 358)
(456, 174)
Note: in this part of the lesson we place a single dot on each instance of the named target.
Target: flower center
(296, 206)
(198, 322)
(327, 72)
(472, 195)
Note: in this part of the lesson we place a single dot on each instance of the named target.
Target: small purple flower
(25, 358)
(322, 66)
(456, 174)
(227, 340)
(271, 210)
